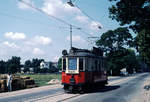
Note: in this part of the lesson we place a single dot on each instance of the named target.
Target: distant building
(123, 71)
(45, 65)
(52, 66)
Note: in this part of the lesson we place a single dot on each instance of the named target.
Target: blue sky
(29, 34)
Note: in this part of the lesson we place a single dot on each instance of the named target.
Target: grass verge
(43, 79)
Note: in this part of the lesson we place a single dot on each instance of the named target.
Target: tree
(114, 40)
(2, 67)
(142, 40)
(135, 13)
(36, 64)
(115, 61)
(27, 65)
(131, 61)
(60, 63)
(13, 65)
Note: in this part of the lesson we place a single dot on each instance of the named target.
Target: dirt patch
(54, 81)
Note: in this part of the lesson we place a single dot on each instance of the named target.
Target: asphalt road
(30, 96)
(117, 93)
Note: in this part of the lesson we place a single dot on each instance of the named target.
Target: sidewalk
(27, 91)
(144, 92)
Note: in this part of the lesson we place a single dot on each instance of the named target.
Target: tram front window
(72, 63)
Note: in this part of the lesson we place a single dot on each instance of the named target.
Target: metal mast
(70, 36)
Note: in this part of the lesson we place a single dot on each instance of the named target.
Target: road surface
(122, 92)
(119, 89)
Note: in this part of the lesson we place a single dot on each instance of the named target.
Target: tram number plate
(71, 71)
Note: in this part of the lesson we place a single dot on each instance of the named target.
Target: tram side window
(96, 65)
(64, 64)
(80, 63)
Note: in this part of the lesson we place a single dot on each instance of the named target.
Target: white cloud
(24, 6)
(58, 8)
(37, 51)
(82, 18)
(15, 36)
(95, 25)
(11, 45)
(39, 40)
(76, 38)
(9, 49)
(43, 40)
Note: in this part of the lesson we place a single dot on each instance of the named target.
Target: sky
(28, 33)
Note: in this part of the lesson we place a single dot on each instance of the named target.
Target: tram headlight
(64, 52)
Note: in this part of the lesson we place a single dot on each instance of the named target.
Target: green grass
(42, 79)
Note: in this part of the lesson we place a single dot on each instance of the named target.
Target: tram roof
(75, 52)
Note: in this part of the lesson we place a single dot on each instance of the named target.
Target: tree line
(121, 49)
(14, 65)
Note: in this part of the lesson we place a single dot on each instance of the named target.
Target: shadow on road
(102, 89)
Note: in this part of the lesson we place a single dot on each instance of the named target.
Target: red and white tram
(82, 68)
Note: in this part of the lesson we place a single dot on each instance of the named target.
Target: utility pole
(71, 36)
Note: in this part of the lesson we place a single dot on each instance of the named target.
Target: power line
(58, 19)
(40, 10)
(84, 32)
(75, 0)
(27, 19)
(73, 5)
(32, 20)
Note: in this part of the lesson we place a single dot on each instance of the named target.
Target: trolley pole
(71, 36)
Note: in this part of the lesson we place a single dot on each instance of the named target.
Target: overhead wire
(56, 18)
(28, 19)
(99, 26)
(60, 20)
(74, 1)
(83, 12)
(40, 10)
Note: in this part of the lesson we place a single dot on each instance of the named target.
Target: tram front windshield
(72, 63)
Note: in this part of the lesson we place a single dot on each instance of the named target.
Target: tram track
(69, 98)
(54, 94)
(49, 96)
(59, 97)
(65, 97)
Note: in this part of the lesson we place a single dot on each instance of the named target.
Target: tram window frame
(96, 65)
(64, 64)
(100, 65)
(81, 66)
